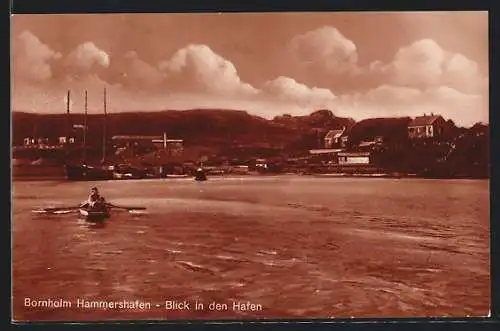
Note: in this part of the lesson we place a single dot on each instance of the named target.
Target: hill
(213, 128)
(320, 119)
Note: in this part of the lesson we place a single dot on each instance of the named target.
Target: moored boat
(200, 175)
(84, 171)
(87, 173)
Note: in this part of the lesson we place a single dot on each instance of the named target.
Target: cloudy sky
(358, 65)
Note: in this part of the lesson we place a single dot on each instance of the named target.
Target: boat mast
(85, 131)
(104, 130)
(68, 124)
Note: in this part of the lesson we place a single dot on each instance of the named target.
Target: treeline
(459, 153)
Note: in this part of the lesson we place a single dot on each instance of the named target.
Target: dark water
(300, 247)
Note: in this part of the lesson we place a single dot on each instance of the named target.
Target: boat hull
(200, 176)
(94, 215)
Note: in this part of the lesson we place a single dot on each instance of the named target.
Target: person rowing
(95, 204)
(94, 200)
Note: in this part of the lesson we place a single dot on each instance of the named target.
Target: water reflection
(92, 224)
(96, 225)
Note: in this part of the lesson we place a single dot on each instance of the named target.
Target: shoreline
(57, 172)
(21, 178)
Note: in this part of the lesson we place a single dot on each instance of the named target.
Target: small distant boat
(200, 175)
(82, 172)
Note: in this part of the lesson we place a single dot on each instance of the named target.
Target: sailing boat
(84, 171)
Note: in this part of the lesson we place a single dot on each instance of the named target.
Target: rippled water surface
(299, 247)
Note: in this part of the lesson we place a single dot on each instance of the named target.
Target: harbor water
(277, 247)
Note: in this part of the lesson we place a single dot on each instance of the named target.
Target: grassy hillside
(198, 127)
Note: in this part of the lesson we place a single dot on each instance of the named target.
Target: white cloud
(198, 66)
(464, 74)
(139, 74)
(425, 64)
(32, 58)
(421, 78)
(86, 56)
(287, 89)
(325, 48)
(419, 64)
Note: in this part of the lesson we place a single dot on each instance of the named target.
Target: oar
(57, 210)
(126, 208)
(64, 210)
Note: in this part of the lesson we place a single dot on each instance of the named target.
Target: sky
(357, 64)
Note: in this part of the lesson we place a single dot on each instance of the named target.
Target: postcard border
(114, 6)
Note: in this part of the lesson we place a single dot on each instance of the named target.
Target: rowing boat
(98, 212)
(94, 214)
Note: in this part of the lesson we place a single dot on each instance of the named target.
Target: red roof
(424, 120)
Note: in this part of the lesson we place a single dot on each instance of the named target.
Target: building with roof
(333, 138)
(427, 126)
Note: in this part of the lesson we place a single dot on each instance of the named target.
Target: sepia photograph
(250, 166)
